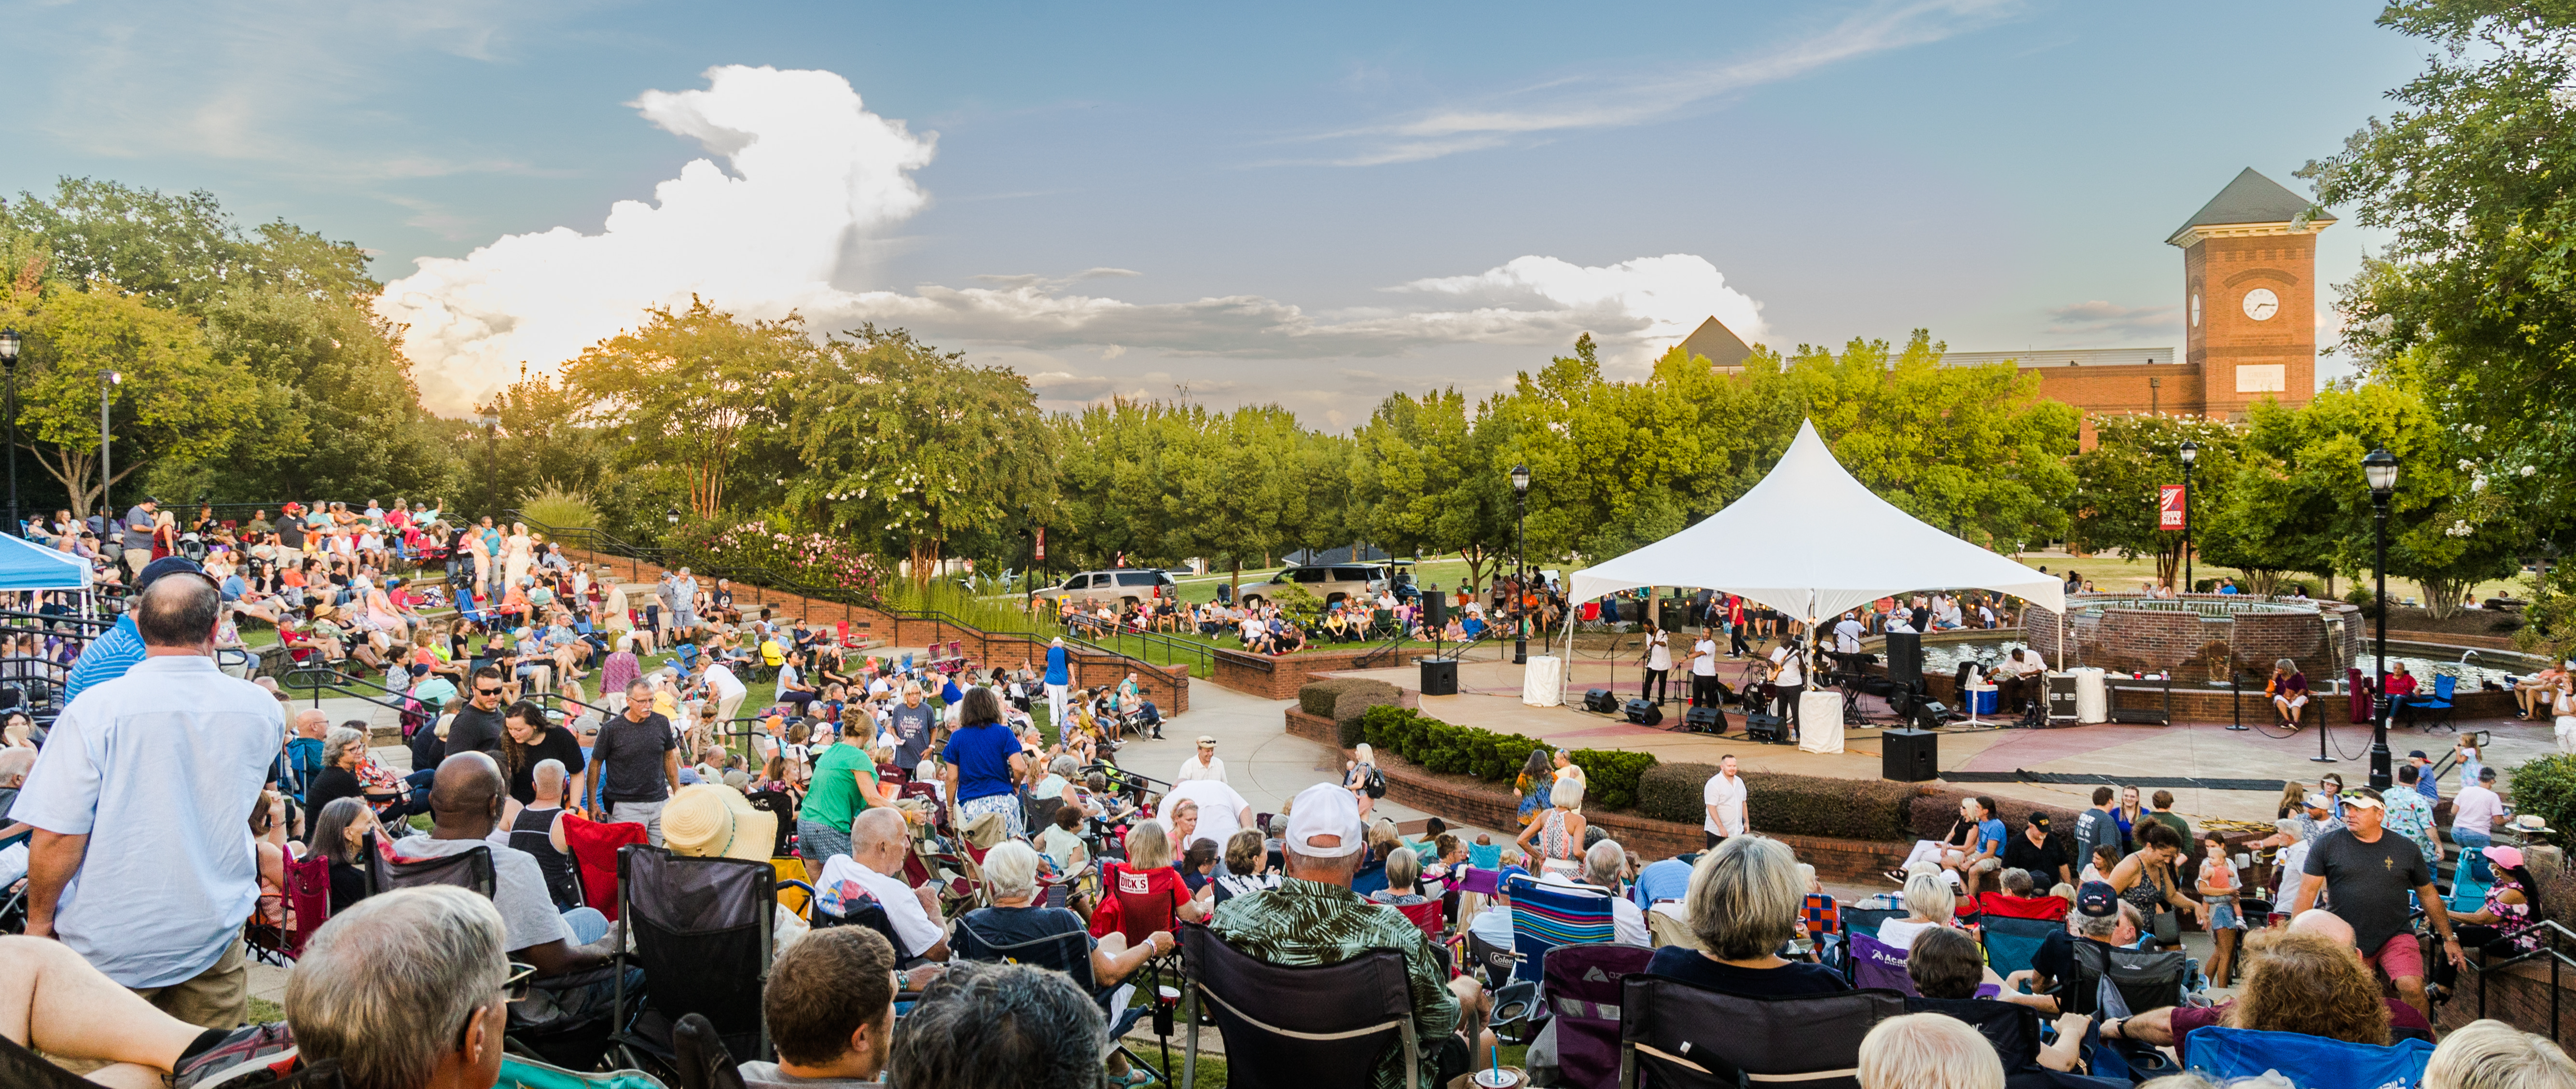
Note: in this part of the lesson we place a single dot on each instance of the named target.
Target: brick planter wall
(2519, 996)
(2151, 640)
(1167, 686)
(1458, 798)
(1279, 678)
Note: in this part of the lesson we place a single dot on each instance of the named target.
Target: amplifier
(1645, 712)
(1765, 727)
(1910, 756)
(1704, 720)
(1600, 701)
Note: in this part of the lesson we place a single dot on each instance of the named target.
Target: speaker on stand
(1439, 672)
(1905, 659)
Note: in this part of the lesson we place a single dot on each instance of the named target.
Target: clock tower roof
(2251, 199)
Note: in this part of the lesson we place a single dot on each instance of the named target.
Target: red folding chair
(594, 853)
(1427, 916)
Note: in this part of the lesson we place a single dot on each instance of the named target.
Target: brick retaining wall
(1459, 798)
(1279, 678)
(2519, 996)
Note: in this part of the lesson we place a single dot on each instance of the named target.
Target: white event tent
(1811, 542)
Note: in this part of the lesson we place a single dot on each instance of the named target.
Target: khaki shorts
(217, 998)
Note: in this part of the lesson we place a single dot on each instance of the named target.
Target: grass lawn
(2111, 574)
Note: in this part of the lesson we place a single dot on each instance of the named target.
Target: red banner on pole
(2169, 506)
(1041, 553)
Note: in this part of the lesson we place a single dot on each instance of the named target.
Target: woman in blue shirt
(983, 762)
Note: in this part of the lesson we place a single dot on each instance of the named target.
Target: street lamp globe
(672, 515)
(9, 343)
(2190, 452)
(1520, 479)
(2379, 467)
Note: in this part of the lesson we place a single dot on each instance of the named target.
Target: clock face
(2261, 304)
(2195, 311)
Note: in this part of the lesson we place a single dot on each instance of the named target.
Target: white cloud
(815, 178)
(1608, 102)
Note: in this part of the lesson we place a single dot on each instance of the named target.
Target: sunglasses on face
(487, 691)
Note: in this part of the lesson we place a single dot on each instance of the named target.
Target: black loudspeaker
(1905, 658)
(1599, 701)
(1704, 720)
(1644, 712)
(1910, 756)
(1435, 609)
(1759, 726)
(1439, 676)
(1929, 714)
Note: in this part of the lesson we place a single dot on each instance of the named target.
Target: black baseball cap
(170, 565)
(2097, 899)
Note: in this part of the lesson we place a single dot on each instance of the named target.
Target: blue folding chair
(2220, 1053)
(2444, 685)
(1861, 920)
(1544, 918)
(2011, 943)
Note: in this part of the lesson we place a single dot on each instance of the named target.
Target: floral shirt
(2513, 919)
(1303, 923)
(2409, 815)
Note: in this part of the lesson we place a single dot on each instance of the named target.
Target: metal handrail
(2552, 934)
(310, 676)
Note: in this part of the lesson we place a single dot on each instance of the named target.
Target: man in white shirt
(1847, 635)
(878, 842)
(2014, 678)
(1222, 812)
(465, 802)
(1704, 670)
(1724, 799)
(1788, 677)
(2473, 816)
(1204, 764)
(167, 763)
(726, 688)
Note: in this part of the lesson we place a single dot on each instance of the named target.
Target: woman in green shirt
(845, 785)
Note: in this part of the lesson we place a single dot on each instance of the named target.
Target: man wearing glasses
(477, 726)
(637, 760)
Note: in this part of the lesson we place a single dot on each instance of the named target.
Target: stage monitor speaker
(1929, 714)
(1910, 756)
(1905, 658)
(1439, 676)
(1704, 720)
(1645, 712)
(1759, 726)
(1599, 701)
(1435, 609)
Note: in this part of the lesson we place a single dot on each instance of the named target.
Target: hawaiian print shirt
(1304, 923)
(2409, 815)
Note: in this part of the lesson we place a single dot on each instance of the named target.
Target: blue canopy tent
(25, 565)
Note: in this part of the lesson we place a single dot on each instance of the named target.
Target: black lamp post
(1520, 552)
(9, 344)
(2190, 453)
(107, 383)
(2379, 468)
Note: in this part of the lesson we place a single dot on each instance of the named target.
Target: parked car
(1122, 586)
(1329, 583)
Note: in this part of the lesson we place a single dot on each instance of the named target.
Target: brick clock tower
(2249, 272)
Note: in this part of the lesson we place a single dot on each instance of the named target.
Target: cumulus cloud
(815, 178)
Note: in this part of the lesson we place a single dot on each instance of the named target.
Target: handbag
(2167, 926)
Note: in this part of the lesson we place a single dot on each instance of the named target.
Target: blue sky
(1312, 207)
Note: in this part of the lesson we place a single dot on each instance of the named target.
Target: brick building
(2249, 263)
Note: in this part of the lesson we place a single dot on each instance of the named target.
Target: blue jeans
(2473, 847)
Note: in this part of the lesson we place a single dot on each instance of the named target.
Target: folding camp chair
(2139, 981)
(1583, 990)
(1318, 1025)
(308, 906)
(1860, 920)
(2014, 1030)
(2444, 686)
(700, 929)
(1877, 964)
(594, 848)
(1684, 1037)
(1069, 953)
(468, 869)
(870, 914)
(2321, 1062)
(1991, 904)
(2011, 942)
(781, 804)
(1544, 917)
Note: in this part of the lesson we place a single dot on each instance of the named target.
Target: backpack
(415, 717)
(1375, 783)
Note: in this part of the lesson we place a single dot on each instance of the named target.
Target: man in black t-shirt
(637, 760)
(2366, 873)
(2040, 851)
(477, 725)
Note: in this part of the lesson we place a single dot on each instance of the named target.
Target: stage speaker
(1645, 712)
(1599, 701)
(1435, 609)
(1910, 756)
(1704, 720)
(1439, 676)
(1759, 726)
(1929, 714)
(1905, 658)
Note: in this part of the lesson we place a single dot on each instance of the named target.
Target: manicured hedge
(1352, 706)
(1316, 697)
(1485, 754)
(1796, 805)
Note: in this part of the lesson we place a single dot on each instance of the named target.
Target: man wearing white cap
(1313, 918)
(2367, 873)
(1203, 764)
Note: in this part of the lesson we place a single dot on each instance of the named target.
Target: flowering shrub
(812, 559)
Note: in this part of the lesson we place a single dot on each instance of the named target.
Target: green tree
(907, 447)
(175, 399)
(693, 390)
(1424, 477)
(1240, 491)
(1117, 492)
(2117, 482)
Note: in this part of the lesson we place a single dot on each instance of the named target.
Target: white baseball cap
(1325, 809)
